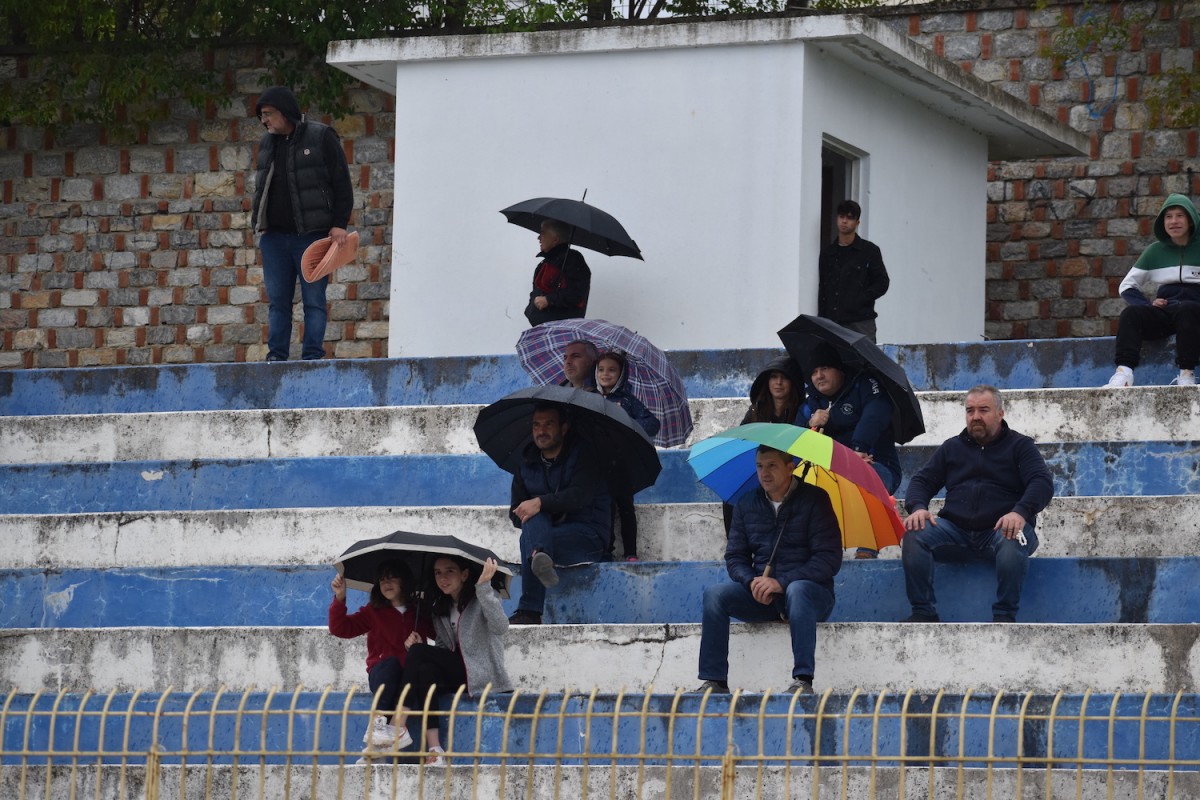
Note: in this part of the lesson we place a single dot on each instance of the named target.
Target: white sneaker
(436, 757)
(387, 736)
(1121, 378)
(1186, 378)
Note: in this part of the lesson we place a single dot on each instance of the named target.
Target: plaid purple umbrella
(651, 377)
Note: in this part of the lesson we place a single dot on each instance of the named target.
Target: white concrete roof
(1013, 128)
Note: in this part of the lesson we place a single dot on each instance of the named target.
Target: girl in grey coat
(470, 624)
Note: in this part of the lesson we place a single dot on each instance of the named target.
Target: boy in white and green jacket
(1173, 263)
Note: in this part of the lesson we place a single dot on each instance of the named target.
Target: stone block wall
(126, 248)
(118, 250)
(1063, 232)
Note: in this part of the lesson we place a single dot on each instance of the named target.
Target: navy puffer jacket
(811, 545)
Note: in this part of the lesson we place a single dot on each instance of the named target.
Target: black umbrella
(504, 431)
(591, 228)
(805, 332)
(360, 563)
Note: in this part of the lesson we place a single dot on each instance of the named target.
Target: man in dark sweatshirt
(302, 193)
(996, 483)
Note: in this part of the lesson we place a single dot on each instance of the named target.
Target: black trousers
(1139, 323)
(430, 666)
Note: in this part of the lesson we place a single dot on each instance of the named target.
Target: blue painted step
(1080, 468)
(1064, 590)
(1132, 728)
(1021, 364)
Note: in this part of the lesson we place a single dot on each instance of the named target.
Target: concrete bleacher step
(1097, 590)
(1079, 468)
(1017, 364)
(871, 656)
(1061, 415)
(687, 779)
(1081, 527)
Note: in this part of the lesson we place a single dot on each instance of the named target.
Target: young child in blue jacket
(612, 382)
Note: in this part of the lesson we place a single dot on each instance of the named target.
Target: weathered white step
(956, 657)
(1154, 526)
(1152, 413)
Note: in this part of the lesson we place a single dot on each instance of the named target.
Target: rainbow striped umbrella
(866, 512)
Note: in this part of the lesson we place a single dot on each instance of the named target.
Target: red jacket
(386, 628)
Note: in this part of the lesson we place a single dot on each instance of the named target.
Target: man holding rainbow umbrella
(790, 524)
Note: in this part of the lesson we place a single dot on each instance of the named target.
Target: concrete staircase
(173, 528)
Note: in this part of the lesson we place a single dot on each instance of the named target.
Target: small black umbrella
(360, 563)
(805, 332)
(591, 228)
(504, 431)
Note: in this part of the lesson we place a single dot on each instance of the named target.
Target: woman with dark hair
(775, 396)
(389, 623)
(470, 625)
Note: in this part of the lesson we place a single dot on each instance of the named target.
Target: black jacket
(810, 542)
(572, 487)
(852, 278)
(564, 278)
(316, 176)
(984, 483)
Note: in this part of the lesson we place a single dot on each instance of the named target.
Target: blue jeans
(948, 542)
(804, 605)
(281, 254)
(390, 675)
(567, 543)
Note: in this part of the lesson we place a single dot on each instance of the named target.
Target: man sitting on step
(561, 504)
(996, 482)
(784, 549)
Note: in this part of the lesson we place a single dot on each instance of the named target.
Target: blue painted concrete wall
(1094, 590)
(1027, 364)
(974, 727)
(1080, 469)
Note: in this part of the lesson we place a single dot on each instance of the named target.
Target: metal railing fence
(299, 743)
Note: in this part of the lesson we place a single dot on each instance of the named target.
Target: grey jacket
(480, 638)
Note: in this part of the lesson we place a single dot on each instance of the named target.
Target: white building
(719, 145)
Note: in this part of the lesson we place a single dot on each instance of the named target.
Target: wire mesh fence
(301, 743)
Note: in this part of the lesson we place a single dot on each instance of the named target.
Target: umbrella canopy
(360, 563)
(805, 332)
(650, 376)
(592, 228)
(504, 431)
(866, 513)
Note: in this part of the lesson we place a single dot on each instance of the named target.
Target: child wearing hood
(1173, 263)
(612, 384)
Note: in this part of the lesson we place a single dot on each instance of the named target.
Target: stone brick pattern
(125, 248)
(119, 250)
(1063, 232)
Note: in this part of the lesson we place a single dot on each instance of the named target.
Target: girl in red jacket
(391, 626)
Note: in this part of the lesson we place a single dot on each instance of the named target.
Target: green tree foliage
(1102, 28)
(107, 61)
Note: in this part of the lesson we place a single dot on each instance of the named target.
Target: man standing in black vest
(302, 194)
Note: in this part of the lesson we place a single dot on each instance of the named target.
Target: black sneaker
(716, 687)
(524, 617)
(1003, 618)
(915, 617)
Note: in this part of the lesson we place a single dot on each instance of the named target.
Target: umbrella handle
(767, 570)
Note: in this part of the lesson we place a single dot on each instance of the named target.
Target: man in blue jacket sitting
(996, 483)
(560, 502)
(784, 549)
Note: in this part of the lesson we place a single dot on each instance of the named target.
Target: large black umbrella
(504, 430)
(360, 563)
(591, 228)
(805, 332)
